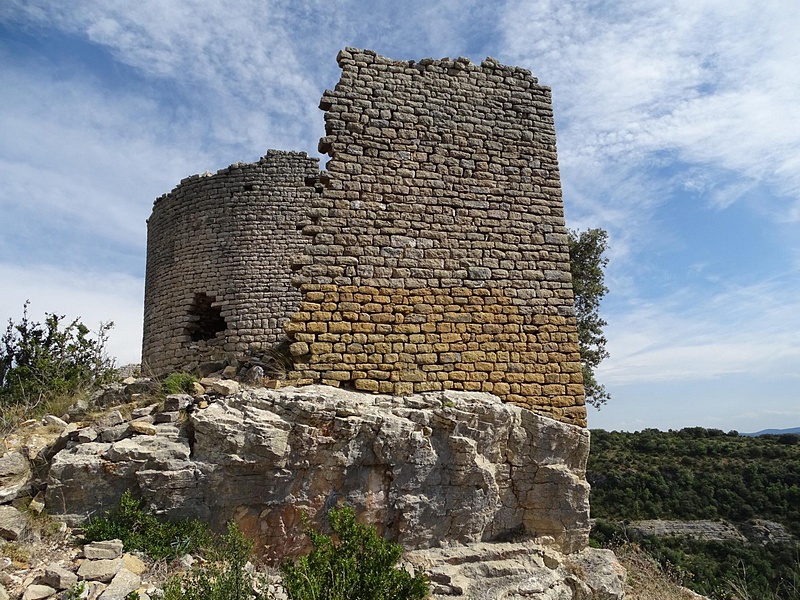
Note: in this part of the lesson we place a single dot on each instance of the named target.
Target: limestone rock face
(428, 469)
(513, 571)
(12, 523)
(15, 475)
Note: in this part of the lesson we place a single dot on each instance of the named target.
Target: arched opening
(205, 319)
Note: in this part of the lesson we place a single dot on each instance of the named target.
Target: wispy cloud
(687, 336)
(656, 101)
(714, 83)
(239, 59)
(73, 153)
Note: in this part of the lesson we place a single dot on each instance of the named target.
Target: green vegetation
(361, 566)
(42, 363)
(75, 591)
(178, 383)
(141, 530)
(587, 263)
(698, 473)
(223, 576)
(695, 473)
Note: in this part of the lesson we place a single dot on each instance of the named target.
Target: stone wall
(438, 254)
(218, 277)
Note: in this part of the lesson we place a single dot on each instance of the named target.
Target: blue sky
(678, 132)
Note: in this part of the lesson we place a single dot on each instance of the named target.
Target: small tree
(587, 262)
(39, 361)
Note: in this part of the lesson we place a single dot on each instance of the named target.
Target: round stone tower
(218, 280)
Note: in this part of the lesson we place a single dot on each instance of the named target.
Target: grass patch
(178, 383)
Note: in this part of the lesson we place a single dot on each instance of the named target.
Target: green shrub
(223, 576)
(40, 362)
(178, 383)
(75, 591)
(143, 531)
(360, 566)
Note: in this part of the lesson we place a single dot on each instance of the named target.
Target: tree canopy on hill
(698, 473)
(695, 473)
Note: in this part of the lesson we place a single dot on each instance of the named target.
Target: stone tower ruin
(218, 281)
(431, 253)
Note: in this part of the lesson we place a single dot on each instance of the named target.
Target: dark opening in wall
(205, 320)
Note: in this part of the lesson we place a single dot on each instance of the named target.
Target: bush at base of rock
(140, 530)
(360, 565)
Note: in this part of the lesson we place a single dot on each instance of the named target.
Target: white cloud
(74, 153)
(715, 83)
(688, 337)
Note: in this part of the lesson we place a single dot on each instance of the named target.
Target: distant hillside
(793, 430)
(702, 474)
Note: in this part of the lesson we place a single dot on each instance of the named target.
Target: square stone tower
(437, 255)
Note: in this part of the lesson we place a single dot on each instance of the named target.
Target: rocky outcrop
(100, 571)
(481, 571)
(512, 571)
(15, 476)
(428, 469)
(715, 531)
(756, 531)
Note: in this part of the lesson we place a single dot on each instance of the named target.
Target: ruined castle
(430, 254)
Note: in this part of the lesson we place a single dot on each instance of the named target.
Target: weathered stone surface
(225, 387)
(177, 402)
(462, 467)
(207, 368)
(115, 433)
(12, 523)
(144, 411)
(84, 435)
(123, 584)
(718, 531)
(58, 577)
(133, 564)
(143, 428)
(110, 419)
(102, 570)
(513, 571)
(53, 421)
(111, 394)
(15, 476)
(106, 549)
(756, 531)
(61, 441)
(94, 589)
(67, 492)
(600, 571)
(143, 385)
(38, 592)
(761, 531)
